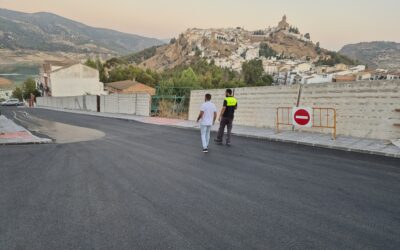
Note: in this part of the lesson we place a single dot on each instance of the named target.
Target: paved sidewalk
(11, 133)
(369, 146)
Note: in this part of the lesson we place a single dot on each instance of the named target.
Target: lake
(18, 73)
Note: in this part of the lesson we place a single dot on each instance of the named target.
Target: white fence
(88, 103)
(135, 104)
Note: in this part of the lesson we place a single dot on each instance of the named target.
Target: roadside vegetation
(199, 74)
(335, 58)
(24, 92)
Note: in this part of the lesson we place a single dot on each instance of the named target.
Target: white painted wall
(135, 104)
(87, 103)
(321, 78)
(303, 67)
(75, 81)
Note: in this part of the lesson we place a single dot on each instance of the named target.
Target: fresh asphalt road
(150, 187)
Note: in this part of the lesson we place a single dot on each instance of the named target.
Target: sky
(333, 23)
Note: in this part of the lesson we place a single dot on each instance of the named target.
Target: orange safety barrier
(322, 118)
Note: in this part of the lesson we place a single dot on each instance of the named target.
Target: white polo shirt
(209, 109)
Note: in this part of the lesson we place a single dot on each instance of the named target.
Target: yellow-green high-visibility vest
(231, 101)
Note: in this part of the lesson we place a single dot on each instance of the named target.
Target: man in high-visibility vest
(226, 117)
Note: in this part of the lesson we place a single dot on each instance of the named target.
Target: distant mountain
(375, 54)
(48, 32)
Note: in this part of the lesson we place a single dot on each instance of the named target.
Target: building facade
(70, 80)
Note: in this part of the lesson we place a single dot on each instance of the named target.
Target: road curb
(310, 144)
(362, 151)
(14, 138)
(27, 143)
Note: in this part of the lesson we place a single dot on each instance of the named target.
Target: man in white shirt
(208, 115)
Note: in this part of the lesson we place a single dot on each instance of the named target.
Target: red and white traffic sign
(302, 117)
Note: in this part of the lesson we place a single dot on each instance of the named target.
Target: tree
(188, 78)
(267, 80)
(99, 66)
(252, 71)
(254, 75)
(259, 33)
(308, 36)
(17, 93)
(91, 63)
(318, 48)
(28, 88)
(294, 30)
(146, 78)
(24, 92)
(335, 58)
(266, 51)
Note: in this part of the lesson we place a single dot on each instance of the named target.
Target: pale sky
(333, 23)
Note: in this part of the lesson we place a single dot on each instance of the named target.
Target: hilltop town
(287, 54)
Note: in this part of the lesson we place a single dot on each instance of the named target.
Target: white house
(303, 67)
(393, 76)
(318, 78)
(70, 80)
(364, 75)
(358, 68)
(341, 67)
(252, 53)
(270, 68)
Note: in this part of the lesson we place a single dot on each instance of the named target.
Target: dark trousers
(225, 122)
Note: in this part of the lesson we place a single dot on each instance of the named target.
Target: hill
(49, 33)
(231, 47)
(5, 83)
(375, 54)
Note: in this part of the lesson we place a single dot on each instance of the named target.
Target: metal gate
(323, 118)
(171, 102)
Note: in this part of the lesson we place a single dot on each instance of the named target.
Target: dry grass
(166, 109)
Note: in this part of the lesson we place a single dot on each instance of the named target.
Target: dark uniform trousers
(225, 122)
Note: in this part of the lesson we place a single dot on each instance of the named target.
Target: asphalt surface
(150, 187)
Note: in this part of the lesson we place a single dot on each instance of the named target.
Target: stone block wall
(364, 109)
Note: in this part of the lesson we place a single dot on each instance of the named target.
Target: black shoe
(205, 150)
(228, 144)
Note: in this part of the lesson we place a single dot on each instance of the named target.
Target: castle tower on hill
(283, 25)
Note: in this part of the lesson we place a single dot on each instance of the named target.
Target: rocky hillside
(384, 55)
(231, 47)
(5, 83)
(46, 32)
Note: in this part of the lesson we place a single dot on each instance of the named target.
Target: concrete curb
(310, 144)
(44, 141)
(15, 128)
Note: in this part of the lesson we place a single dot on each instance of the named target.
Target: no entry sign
(302, 117)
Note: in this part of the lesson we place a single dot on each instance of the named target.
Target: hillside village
(288, 55)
